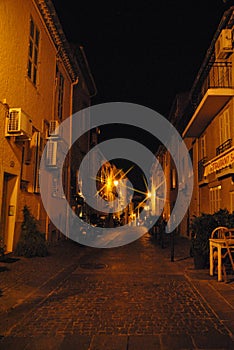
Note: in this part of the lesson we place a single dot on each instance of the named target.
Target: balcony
(222, 148)
(212, 92)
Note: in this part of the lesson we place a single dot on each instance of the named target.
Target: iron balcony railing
(224, 146)
(201, 168)
(217, 75)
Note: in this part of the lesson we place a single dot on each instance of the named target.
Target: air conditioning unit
(18, 124)
(52, 128)
(51, 154)
(223, 45)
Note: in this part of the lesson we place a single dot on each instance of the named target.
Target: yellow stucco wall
(17, 90)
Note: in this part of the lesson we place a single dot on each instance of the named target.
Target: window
(224, 127)
(215, 199)
(31, 156)
(202, 147)
(38, 143)
(46, 127)
(60, 82)
(34, 36)
(27, 153)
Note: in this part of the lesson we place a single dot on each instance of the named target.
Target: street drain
(93, 266)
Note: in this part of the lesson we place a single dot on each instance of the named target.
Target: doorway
(8, 214)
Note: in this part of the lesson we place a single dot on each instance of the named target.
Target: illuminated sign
(219, 163)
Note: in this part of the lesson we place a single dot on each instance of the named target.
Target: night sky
(143, 52)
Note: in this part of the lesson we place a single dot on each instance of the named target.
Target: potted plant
(2, 248)
(224, 218)
(202, 227)
(32, 242)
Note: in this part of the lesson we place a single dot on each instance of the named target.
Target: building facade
(205, 119)
(38, 75)
(210, 124)
(83, 93)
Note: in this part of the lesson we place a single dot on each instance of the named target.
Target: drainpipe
(196, 173)
(69, 155)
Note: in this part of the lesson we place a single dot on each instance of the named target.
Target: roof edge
(55, 29)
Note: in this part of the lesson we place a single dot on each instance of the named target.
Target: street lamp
(116, 182)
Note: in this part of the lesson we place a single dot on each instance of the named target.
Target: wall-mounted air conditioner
(51, 154)
(223, 45)
(18, 124)
(54, 124)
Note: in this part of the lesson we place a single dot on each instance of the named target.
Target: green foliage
(32, 242)
(203, 225)
(2, 247)
(224, 218)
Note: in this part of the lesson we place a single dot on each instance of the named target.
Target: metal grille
(13, 124)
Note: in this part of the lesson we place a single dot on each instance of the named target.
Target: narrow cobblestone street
(132, 297)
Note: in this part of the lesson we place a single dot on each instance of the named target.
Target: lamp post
(111, 195)
(172, 244)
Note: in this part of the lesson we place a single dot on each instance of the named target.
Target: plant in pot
(32, 242)
(2, 248)
(224, 218)
(202, 227)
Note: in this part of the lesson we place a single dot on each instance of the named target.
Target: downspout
(2, 150)
(69, 155)
(198, 206)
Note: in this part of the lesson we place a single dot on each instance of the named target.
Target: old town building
(42, 82)
(205, 119)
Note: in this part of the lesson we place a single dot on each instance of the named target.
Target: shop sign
(219, 163)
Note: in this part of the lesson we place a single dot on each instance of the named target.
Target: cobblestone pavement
(132, 297)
